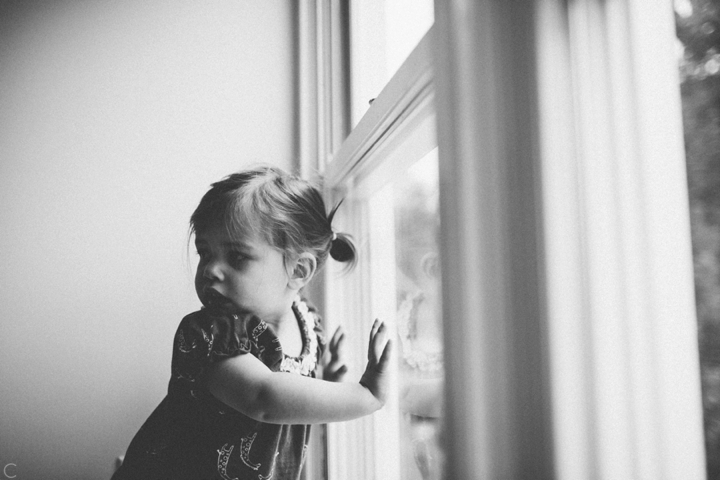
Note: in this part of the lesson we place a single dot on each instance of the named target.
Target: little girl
(243, 390)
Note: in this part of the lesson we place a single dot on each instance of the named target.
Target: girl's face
(247, 272)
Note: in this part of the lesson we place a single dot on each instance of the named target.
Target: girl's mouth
(212, 298)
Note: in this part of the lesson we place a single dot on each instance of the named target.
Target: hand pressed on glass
(375, 377)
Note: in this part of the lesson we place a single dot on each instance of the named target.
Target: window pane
(383, 33)
(414, 220)
(418, 318)
(698, 29)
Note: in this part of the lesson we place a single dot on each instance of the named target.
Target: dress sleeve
(207, 336)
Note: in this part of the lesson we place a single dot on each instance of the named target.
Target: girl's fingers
(336, 345)
(339, 334)
(385, 357)
(375, 326)
(335, 373)
(379, 341)
(373, 332)
(336, 367)
(339, 346)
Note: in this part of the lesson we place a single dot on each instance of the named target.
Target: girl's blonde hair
(286, 211)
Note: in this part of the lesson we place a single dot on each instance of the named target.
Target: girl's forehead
(221, 236)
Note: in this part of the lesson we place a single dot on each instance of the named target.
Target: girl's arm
(247, 385)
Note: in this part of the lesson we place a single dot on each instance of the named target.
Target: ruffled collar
(307, 361)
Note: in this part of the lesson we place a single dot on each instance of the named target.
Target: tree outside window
(698, 32)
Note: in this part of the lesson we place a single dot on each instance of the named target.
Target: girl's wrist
(375, 402)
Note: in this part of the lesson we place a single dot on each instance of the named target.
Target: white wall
(114, 119)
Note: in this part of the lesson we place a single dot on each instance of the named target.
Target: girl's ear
(303, 270)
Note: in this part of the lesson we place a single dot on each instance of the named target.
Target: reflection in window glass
(419, 317)
(698, 31)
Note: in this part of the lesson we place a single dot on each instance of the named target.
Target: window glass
(698, 31)
(403, 226)
(418, 319)
(382, 35)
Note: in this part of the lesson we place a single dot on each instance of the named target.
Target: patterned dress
(192, 435)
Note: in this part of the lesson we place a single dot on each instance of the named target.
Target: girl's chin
(222, 305)
(217, 302)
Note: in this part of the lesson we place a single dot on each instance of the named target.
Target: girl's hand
(376, 375)
(336, 368)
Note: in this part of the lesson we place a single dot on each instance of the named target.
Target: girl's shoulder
(208, 336)
(214, 333)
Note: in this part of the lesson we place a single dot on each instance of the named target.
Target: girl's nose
(213, 271)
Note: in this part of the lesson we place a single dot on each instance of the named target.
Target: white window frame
(571, 335)
(398, 128)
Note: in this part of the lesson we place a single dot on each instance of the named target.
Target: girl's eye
(202, 253)
(237, 259)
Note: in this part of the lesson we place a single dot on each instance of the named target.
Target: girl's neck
(283, 320)
(288, 332)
